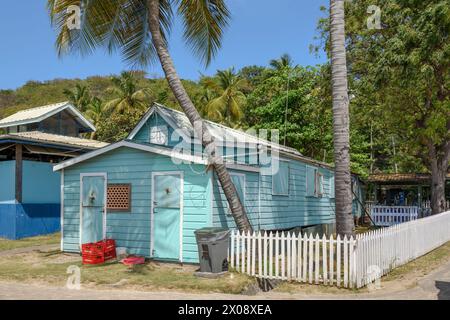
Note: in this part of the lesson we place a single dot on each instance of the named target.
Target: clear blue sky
(260, 30)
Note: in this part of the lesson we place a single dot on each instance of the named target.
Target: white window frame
(288, 181)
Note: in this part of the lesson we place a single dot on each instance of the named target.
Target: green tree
(95, 111)
(285, 61)
(117, 126)
(403, 68)
(304, 122)
(227, 108)
(80, 96)
(141, 37)
(128, 96)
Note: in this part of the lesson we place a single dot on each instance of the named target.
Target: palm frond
(204, 22)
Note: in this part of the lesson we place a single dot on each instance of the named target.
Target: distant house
(151, 191)
(404, 189)
(35, 139)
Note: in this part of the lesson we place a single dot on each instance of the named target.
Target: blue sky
(260, 30)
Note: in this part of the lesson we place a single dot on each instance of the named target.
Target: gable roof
(130, 144)
(178, 120)
(39, 114)
(53, 139)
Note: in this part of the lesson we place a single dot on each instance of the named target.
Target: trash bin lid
(210, 231)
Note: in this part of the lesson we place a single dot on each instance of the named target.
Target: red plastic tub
(132, 260)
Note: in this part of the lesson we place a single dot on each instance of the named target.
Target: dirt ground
(23, 270)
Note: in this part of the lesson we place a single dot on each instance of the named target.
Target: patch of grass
(421, 266)
(6, 244)
(364, 229)
(405, 275)
(51, 269)
(296, 287)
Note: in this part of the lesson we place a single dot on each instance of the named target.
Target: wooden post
(19, 166)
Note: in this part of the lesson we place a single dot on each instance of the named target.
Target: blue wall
(40, 183)
(28, 220)
(7, 181)
(8, 221)
(39, 212)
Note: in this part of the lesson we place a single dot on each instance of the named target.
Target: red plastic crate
(99, 252)
(93, 259)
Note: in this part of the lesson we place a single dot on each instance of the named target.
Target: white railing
(342, 262)
(386, 216)
(427, 205)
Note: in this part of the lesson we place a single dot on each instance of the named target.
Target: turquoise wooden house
(151, 191)
(34, 140)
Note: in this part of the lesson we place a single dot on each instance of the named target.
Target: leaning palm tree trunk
(192, 114)
(344, 218)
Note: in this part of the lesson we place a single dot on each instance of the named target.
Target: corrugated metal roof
(400, 177)
(220, 132)
(40, 113)
(56, 139)
(179, 120)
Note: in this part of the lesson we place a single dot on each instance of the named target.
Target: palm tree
(341, 136)
(285, 61)
(204, 98)
(227, 107)
(94, 112)
(80, 96)
(139, 28)
(128, 96)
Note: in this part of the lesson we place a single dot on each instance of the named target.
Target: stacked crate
(98, 252)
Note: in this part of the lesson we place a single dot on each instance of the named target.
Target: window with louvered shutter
(119, 197)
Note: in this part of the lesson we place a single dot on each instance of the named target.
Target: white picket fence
(342, 262)
(386, 216)
(286, 256)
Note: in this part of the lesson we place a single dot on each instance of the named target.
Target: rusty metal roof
(401, 177)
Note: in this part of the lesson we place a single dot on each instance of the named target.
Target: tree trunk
(439, 167)
(341, 136)
(237, 209)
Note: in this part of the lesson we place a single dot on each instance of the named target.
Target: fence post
(338, 260)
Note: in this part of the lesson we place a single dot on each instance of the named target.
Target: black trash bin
(213, 249)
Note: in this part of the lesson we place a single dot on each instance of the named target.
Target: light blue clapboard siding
(221, 212)
(132, 230)
(275, 211)
(267, 211)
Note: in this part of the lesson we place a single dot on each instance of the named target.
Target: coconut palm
(204, 98)
(94, 112)
(139, 29)
(80, 96)
(284, 61)
(227, 107)
(128, 96)
(344, 217)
